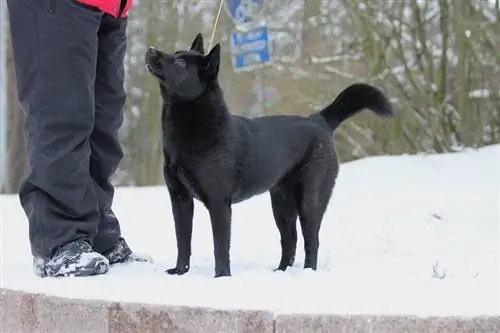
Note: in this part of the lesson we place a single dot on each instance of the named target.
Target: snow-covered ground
(402, 235)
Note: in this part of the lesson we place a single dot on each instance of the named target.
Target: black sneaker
(121, 253)
(73, 259)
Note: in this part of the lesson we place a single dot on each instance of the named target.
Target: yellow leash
(215, 24)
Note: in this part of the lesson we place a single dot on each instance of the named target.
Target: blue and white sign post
(243, 12)
(250, 49)
(250, 43)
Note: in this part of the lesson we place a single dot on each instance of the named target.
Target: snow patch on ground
(402, 235)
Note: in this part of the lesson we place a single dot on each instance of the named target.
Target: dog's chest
(204, 176)
(186, 177)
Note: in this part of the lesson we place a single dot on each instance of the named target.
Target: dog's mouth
(158, 64)
(152, 62)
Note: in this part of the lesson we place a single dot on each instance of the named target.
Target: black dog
(221, 159)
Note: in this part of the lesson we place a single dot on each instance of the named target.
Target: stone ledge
(384, 324)
(22, 312)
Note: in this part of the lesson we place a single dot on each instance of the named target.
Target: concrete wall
(29, 313)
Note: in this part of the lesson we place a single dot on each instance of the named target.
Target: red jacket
(111, 7)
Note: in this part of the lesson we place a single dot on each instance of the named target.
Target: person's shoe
(122, 253)
(73, 259)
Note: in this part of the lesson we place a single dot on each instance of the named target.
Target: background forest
(438, 60)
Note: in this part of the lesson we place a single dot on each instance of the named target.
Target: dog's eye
(180, 62)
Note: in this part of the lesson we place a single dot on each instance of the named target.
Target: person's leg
(55, 51)
(106, 152)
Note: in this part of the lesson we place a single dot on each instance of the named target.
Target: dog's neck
(183, 103)
(209, 102)
(204, 119)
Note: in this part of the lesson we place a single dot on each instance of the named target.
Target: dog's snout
(152, 51)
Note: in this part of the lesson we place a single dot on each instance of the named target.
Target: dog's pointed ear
(197, 44)
(213, 61)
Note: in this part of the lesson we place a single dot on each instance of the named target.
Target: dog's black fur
(221, 159)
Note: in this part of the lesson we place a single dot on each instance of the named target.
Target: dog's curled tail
(354, 99)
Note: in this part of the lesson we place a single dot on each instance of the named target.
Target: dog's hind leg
(313, 193)
(285, 215)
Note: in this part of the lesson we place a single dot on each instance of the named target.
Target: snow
(480, 93)
(403, 235)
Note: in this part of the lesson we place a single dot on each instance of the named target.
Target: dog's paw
(177, 270)
(222, 273)
(281, 268)
(285, 263)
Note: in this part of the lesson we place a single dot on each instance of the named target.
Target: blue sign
(243, 12)
(250, 49)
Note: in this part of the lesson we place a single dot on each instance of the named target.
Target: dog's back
(277, 145)
(273, 146)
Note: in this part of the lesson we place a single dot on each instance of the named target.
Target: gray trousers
(70, 80)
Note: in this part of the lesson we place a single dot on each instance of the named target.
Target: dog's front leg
(182, 209)
(220, 216)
